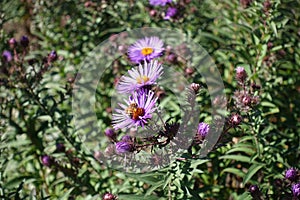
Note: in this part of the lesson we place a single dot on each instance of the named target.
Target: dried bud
(12, 43)
(255, 192)
(52, 56)
(195, 87)
(153, 13)
(241, 74)
(24, 41)
(246, 100)
(109, 196)
(235, 120)
(189, 71)
(172, 58)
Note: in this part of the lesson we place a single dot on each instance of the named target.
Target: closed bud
(241, 74)
(12, 43)
(24, 41)
(195, 87)
(235, 120)
(109, 196)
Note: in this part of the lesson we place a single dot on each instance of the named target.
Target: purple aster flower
(291, 174)
(171, 12)
(159, 2)
(296, 189)
(123, 147)
(145, 49)
(140, 77)
(7, 56)
(203, 129)
(136, 112)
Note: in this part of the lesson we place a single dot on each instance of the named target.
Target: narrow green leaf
(251, 172)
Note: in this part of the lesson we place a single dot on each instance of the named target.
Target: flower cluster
(172, 12)
(137, 108)
(246, 97)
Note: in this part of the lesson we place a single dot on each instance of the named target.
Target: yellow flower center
(142, 79)
(146, 51)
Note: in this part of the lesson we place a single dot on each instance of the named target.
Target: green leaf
(235, 171)
(251, 172)
(240, 158)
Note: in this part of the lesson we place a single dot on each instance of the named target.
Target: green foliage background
(264, 39)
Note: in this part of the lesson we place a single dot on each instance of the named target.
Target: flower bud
(24, 41)
(124, 147)
(110, 133)
(12, 43)
(296, 190)
(291, 174)
(52, 56)
(195, 87)
(255, 192)
(109, 196)
(7, 57)
(235, 120)
(47, 160)
(241, 74)
(203, 129)
(60, 147)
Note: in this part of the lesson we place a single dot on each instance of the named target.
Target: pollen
(142, 79)
(146, 51)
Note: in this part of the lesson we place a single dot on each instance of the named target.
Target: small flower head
(136, 111)
(296, 189)
(145, 49)
(159, 2)
(291, 174)
(24, 41)
(47, 160)
(144, 75)
(241, 74)
(7, 56)
(171, 13)
(195, 87)
(203, 129)
(124, 147)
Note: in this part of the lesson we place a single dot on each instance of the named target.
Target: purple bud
(47, 160)
(172, 58)
(52, 56)
(296, 189)
(203, 129)
(291, 174)
(123, 147)
(12, 43)
(7, 56)
(126, 138)
(60, 147)
(109, 196)
(110, 133)
(171, 12)
(241, 74)
(24, 41)
(159, 2)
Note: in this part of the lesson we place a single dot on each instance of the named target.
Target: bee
(134, 112)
